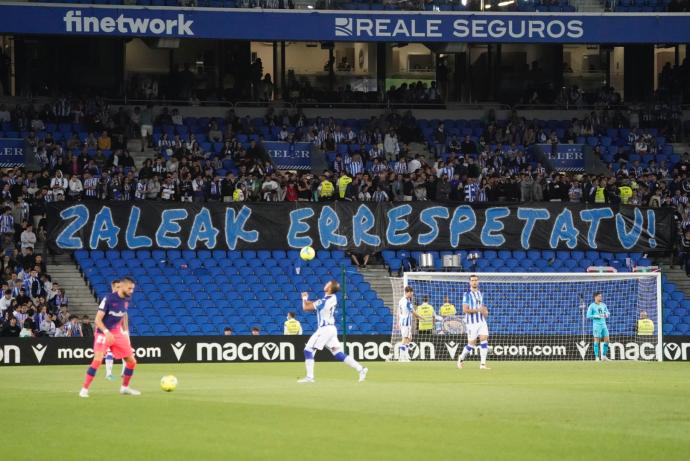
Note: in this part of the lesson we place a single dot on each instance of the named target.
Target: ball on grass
(168, 383)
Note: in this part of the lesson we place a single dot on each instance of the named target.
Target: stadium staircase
(379, 279)
(675, 273)
(134, 146)
(63, 270)
(421, 149)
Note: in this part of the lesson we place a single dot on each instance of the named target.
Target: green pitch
(416, 411)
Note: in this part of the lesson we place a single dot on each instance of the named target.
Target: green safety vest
(447, 309)
(327, 189)
(426, 312)
(292, 326)
(645, 327)
(342, 185)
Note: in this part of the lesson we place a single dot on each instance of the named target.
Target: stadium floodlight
(537, 316)
(506, 3)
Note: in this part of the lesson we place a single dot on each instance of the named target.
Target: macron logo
(582, 348)
(178, 349)
(39, 351)
(452, 348)
(343, 27)
(75, 22)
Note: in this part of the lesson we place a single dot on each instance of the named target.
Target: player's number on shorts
(100, 340)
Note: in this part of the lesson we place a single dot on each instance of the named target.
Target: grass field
(415, 411)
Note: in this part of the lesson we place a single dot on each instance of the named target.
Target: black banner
(204, 349)
(350, 225)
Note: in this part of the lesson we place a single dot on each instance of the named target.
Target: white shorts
(477, 329)
(146, 130)
(405, 332)
(324, 337)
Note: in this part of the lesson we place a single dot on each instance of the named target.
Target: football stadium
(345, 229)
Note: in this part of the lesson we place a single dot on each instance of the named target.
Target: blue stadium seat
(242, 289)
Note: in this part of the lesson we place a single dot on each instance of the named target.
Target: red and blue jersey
(115, 309)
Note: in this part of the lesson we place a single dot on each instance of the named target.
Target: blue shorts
(600, 331)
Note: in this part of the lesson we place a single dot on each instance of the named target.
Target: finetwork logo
(178, 349)
(75, 22)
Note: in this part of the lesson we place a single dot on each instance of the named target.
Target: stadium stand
(212, 158)
(675, 305)
(199, 292)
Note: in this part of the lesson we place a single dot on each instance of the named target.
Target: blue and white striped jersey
(473, 299)
(404, 312)
(325, 310)
(471, 192)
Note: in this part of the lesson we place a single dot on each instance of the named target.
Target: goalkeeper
(598, 312)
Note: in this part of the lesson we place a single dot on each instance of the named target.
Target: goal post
(535, 316)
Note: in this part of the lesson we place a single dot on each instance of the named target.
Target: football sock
(91, 373)
(468, 349)
(129, 371)
(483, 351)
(352, 363)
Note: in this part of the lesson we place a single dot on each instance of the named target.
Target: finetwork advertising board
(240, 349)
(369, 26)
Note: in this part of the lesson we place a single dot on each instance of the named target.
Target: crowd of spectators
(31, 303)
(369, 160)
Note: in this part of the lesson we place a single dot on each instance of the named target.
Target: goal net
(533, 316)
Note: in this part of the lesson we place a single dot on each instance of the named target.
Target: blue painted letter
(169, 225)
(203, 230)
(651, 228)
(328, 228)
(492, 224)
(234, 227)
(629, 239)
(397, 224)
(564, 229)
(530, 216)
(66, 238)
(133, 240)
(298, 226)
(594, 216)
(463, 220)
(104, 228)
(362, 222)
(428, 216)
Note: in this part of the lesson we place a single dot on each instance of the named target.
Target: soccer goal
(534, 316)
